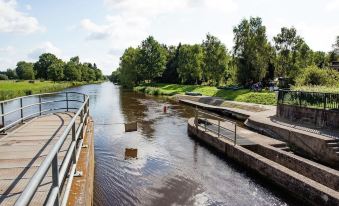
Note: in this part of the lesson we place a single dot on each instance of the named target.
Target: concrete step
(335, 148)
(287, 149)
(333, 144)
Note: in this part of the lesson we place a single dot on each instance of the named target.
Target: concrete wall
(313, 146)
(316, 117)
(324, 175)
(312, 192)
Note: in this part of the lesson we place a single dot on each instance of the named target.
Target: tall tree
(71, 71)
(334, 54)
(129, 72)
(190, 61)
(11, 74)
(216, 59)
(251, 49)
(56, 70)
(170, 74)
(25, 70)
(41, 66)
(293, 53)
(152, 59)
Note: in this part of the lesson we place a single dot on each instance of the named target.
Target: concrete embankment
(312, 182)
(262, 119)
(81, 192)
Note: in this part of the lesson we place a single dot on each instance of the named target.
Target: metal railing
(309, 99)
(212, 122)
(59, 191)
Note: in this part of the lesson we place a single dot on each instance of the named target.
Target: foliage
(25, 70)
(215, 59)
(171, 74)
(55, 71)
(318, 77)
(129, 72)
(151, 59)
(42, 65)
(3, 77)
(251, 49)
(71, 71)
(11, 74)
(189, 63)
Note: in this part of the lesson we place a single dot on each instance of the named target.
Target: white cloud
(332, 5)
(14, 21)
(46, 47)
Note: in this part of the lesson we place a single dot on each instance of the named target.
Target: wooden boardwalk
(24, 149)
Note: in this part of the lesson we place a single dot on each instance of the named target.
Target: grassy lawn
(11, 89)
(242, 95)
(317, 89)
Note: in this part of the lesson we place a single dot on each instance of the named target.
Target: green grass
(242, 95)
(11, 89)
(317, 89)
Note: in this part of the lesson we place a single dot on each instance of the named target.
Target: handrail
(219, 126)
(59, 191)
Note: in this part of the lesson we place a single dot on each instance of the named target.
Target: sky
(99, 31)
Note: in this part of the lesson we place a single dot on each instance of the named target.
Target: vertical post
(40, 104)
(2, 115)
(74, 158)
(325, 99)
(67, 101)
(218, 128)
(21, 111)
(55, 176)
(235, 133)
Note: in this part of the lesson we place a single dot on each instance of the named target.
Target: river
(171, 168)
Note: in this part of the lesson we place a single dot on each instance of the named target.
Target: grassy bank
(242, 95)
(11, 89)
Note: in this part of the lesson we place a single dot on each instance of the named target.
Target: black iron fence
(329, 101)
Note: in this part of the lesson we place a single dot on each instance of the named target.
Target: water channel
(171, 168)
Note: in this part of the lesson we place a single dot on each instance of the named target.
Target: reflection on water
(171, 168)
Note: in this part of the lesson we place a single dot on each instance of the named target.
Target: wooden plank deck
(24, 149)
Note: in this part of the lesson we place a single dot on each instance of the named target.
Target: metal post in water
(67, 101)
(21, 111)
(55, 176)
(40, 104)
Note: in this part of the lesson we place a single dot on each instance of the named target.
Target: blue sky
(99, 31)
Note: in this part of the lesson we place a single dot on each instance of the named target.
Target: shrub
(3, 77)
(312, 76)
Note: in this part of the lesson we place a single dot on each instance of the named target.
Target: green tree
(151, 59)
(251, 50)
(216, 59)
(56, 71)
(334, 54)
(128, 70)
(71, 71)
(190, 62)
(24, 70)
(320, 59)
(42, 65)
(170, 75)
(11, 74)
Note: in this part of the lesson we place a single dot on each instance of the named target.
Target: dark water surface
(171, 168)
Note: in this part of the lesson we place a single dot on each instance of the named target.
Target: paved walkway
(23, 150)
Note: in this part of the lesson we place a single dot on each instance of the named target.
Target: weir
(41, 142)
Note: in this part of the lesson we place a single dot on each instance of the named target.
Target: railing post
(235, 134)
(219, 128)
(325, 99)
(74, 158)
(67, 101)
(40, 104)
(21, 111)
(2, 115)
(55, 176)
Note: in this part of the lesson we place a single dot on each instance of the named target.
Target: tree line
(253, 58)
(49, 67)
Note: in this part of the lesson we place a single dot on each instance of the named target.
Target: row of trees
(253, 58)
(49, 67)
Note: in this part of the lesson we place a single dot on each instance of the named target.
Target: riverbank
(240, 95)
(10, 88)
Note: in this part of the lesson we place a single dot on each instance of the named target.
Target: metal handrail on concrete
(205, 116)
(59, 192)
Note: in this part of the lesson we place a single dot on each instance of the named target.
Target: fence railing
(59, 191)
(309, 99)
(213, 123)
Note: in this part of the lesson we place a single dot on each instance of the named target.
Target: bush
(315, 76)
(3, 77)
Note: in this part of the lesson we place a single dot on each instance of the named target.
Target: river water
(171, 168)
